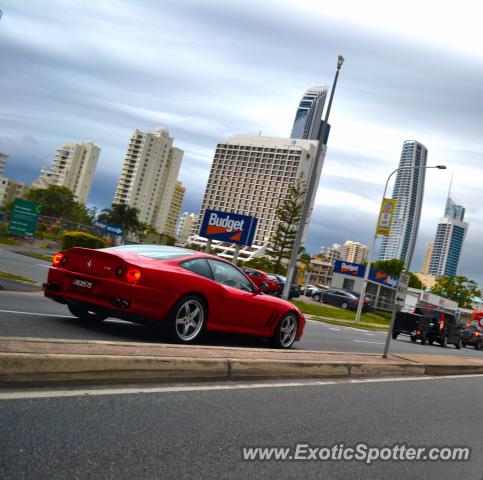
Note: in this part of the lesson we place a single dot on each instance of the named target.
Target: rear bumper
(112, 298)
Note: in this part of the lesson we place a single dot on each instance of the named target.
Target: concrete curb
(25, 369)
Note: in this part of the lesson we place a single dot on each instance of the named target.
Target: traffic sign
(109, 228)
(402, 288)
(23, 220)
(385, 216)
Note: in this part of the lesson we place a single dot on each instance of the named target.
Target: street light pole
(311, 188)
(371, 250)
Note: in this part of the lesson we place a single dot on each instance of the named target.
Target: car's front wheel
(286, 331)
(85, 314)
(186, 321)
(344, 305)
(316, 298)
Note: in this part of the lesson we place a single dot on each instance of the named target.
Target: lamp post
(311, 188)
(371, 250)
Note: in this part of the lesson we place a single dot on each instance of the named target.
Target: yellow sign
(385, 216)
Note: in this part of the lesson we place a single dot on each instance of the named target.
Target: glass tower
(448, 243)
(308, 119)
(409, 193)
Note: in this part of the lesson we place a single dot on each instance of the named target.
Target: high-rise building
(3, 161)
(331, 254)
(354, 252)
(252, 175)
(409, 193)
(185, 226)
(308, 119)
(148, 176)
(428, 253)
(448, 243)
(73, 167)
(175, 208)
(10, 190)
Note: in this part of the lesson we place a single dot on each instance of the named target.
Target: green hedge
(81, 239)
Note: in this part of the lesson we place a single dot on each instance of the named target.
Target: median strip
(33, 362)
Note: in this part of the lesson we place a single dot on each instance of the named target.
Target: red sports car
(187, 291)
(258, 277)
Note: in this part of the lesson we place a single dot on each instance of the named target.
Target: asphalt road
(32, 315)
(23, 265)
(200, 433)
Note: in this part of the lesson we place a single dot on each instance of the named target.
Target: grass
(40, 256)
(7, 240)
(339, 314)
(348, 323)
(18, 278)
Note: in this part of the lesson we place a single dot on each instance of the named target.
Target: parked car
(472, 335)
(309, 290)
(429, 325)
(258, 278)
(295, 290)
(317, 294)
(183, 291)
(343, 299)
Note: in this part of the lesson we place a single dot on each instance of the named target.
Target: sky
(75, 71)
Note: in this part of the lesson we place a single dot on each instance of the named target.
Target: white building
(73, 167)
(409, 193)
(252, 175)
(3, 161)
(355, 252)
(10, 190)
(148, 177)
(185, 226)
(331, 254)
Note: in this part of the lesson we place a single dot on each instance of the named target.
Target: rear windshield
(159, 252)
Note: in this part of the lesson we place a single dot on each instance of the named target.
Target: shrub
(81, 239)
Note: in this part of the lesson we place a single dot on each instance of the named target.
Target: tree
(124, 216)
(59, 202)
(260, 263)
(394, 267)
(459, 289)
(288, 214)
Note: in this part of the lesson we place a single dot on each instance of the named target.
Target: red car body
(258, 277)
(144, 283)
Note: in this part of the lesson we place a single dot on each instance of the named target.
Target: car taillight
(477, 334)
(133, 275)
(57, 258)
(418, 332)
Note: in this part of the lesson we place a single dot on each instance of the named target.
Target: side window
(228, 275)
(199, 266)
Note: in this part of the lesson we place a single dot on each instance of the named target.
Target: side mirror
(263, 287)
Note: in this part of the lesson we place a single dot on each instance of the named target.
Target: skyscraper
(307, 123)
(3, 161)
(409, 193)
(448, 242)
(251, 175)
(428, 253)
(175, 208)
(73, 167)
(148, 176)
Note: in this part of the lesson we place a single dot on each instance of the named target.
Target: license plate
(77, 282)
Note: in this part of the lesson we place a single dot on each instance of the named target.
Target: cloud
(208, 70)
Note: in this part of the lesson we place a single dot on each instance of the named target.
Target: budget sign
(228, 227)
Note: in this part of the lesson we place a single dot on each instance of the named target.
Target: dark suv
(472, 335)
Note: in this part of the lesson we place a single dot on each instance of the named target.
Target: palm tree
(122, 215)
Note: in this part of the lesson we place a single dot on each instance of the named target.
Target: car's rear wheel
(344, 305)
(186, 321)
(459, 344)
(394, 335)
(444, 342)
(286, 331)
(316, 298)
(478, 345)
(413, 338)
(84, 313)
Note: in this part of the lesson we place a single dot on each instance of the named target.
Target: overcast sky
(74, 71)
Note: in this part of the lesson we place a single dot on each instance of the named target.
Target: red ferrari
(258, 278)
(188, 291)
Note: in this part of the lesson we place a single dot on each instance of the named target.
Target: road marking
(38, 314)
(366, 341)
(336, 329)
(15, 395)
(43, 265)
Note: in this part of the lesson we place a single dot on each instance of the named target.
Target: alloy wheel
(189, 320)
(288, 330)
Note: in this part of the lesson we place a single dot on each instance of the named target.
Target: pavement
(34, 361)
(199, 432)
